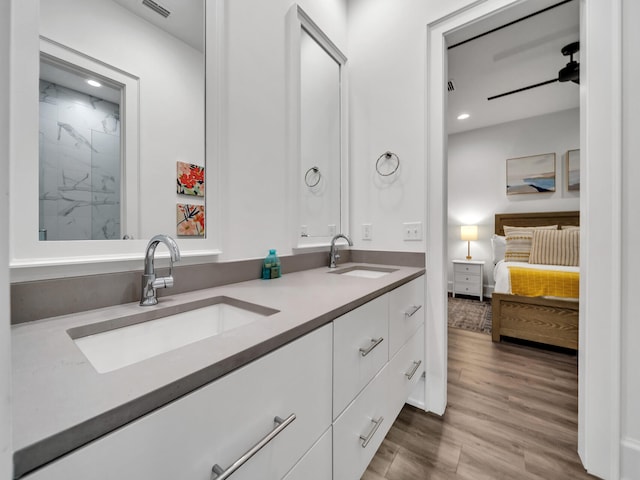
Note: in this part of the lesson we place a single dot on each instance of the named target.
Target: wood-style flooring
(511, 414)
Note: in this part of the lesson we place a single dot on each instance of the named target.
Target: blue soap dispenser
(271, 266)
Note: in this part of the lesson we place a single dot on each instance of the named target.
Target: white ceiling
(522, 54)
(186, 20)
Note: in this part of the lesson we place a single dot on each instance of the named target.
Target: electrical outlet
(412, 231)
(304, 232)
(332, 230)
(367, 233)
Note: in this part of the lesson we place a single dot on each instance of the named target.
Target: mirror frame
(31, 259)
(298, 19)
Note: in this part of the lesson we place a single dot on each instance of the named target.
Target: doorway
(599, 383)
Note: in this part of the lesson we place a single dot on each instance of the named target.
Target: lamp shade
(469, 232)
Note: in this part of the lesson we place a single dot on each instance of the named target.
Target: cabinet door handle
(376, 424)
(218, 473)
(411, 310)
(413, 370)
(374, 343)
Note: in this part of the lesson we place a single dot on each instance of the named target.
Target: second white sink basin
(365, 271)
(119, 346)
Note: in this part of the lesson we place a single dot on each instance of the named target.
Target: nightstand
(467, 277)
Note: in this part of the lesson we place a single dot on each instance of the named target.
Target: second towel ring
(387, 164)
(312, 177)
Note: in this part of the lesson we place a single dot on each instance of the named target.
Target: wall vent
(156, 8)
(451, 87)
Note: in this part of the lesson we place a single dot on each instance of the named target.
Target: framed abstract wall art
(534, 174)
(190, 220)
(572, 161)
(190, 179)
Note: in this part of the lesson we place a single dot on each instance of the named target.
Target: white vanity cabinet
(219, 422)
(376, 399)
(406, 313)
(405, 370)
(316, 463)
(360, 349)
(345, 383)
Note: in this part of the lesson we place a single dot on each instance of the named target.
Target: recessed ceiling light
(463, 116)
(93, 83)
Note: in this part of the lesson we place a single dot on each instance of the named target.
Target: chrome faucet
(149, 280)
(333, 253)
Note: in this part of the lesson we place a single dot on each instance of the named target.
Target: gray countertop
(60, 402)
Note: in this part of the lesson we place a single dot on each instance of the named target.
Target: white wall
(387, 81)
(477, 177)
(253, 160)
(630, 430)
(5, 343)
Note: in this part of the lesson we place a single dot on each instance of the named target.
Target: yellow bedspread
(544, 283)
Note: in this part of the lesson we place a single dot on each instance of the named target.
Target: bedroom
(538, 121)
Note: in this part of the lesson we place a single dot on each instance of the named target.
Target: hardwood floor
(511, 414)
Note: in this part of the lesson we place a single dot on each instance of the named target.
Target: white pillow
(498, 247)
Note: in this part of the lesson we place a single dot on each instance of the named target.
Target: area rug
(470, 314)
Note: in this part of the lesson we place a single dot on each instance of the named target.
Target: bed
(551, 321)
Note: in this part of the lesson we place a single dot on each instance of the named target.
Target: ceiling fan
(570, 73)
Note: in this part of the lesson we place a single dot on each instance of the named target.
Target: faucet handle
(163, 282)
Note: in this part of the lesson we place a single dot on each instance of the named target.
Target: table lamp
(469, 233)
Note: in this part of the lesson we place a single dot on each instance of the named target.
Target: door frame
(599, 359)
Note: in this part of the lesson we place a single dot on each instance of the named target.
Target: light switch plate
(412, 231)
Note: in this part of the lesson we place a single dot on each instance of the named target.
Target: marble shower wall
(80, 165)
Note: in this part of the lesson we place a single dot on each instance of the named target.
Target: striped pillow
(560, 247)
(519, 242)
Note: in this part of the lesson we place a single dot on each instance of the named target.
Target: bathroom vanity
(316, 379)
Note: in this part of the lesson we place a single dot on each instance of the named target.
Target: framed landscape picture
(534, 174)
(573, 170)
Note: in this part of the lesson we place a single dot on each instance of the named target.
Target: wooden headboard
(535, 219)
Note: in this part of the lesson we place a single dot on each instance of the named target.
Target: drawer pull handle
(413, 309)
(414, 369)
(217, 472)
(374, 343)
(376, 424)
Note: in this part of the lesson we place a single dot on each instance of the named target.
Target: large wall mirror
(121, 105)
(318, 136)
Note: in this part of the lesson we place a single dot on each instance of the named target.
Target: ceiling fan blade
(523, 89)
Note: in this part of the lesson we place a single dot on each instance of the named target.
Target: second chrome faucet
(333, 253)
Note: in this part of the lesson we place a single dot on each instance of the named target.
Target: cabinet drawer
(406, 313)
(467, 277)
(316, 463)
(468, 288)
(219, 422)
(360, 349)
(356, 426)
(405, 370)
(467, 268)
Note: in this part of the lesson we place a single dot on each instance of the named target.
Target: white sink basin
(118, 346)
(365, 271)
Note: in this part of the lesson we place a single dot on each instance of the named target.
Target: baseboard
(629, 459)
